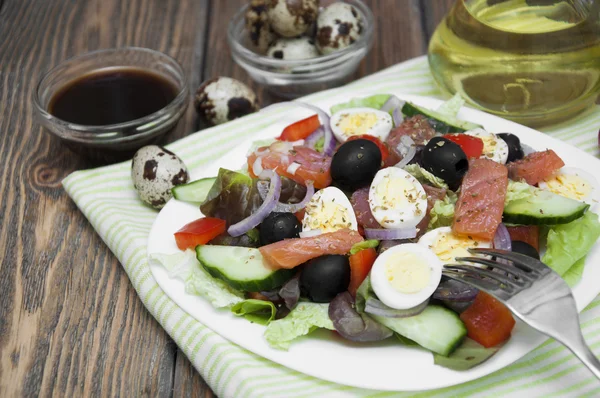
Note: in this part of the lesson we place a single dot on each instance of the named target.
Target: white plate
(382, 366)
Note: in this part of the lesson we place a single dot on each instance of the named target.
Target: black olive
(525, 248)
(355, 164)
(446, 160)
(279, 226)
(515, 152)
(324, 277)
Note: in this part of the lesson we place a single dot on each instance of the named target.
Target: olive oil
(533, 61)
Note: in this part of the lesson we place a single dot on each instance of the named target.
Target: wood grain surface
(71, 324)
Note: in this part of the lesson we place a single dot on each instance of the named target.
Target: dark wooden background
(70, 322)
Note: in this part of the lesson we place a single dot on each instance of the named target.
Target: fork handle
(579, 347)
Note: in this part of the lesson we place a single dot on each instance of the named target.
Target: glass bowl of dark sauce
(107, 104)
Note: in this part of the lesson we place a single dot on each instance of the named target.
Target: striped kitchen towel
(108, 200)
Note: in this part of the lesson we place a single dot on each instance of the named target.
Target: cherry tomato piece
(385, 152)
(360, 266)
(471, 146)
(199, 232)
(301, 129)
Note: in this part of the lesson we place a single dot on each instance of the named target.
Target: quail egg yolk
(571, 186)
(489, 144)
(394, 192)
(357, 123)
(328, 217)
(448, 246)
(407, 272)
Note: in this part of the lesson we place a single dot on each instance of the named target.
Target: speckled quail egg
(223, 99)
(257, 24)
(154, 171)
(292, 49)
(338, 26)
(291, 18)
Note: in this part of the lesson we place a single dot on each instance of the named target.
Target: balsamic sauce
(112, 96)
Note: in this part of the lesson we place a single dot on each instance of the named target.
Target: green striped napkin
(107, 198)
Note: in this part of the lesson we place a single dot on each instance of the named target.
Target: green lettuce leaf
(568, 243)
(364, 291)
(574, 274)
(517, 190)
(468, 355)
(365, 244)
(185, 267)
(302, 320)
(442, 213)
(424, 176)
(375, 101)
(257, 311)
(452, 106)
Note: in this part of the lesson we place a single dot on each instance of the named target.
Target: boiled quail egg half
(359, 121)
(406, 275)
(447, 245)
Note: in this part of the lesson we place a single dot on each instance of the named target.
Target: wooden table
(71, 324)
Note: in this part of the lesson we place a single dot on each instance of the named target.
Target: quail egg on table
(154, 171)
(257, 23)
(293, 49)
(338, 26)
(291, 18)
(222, 99)
(406, 275)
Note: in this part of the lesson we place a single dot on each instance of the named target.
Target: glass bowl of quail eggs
(297, 47)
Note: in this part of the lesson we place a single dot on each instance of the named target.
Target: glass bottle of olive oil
(533, 61)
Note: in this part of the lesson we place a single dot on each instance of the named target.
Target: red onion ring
(265, 208)
(407, 148)
(376, 307)
(502, 239)
(391, 234)
(288, 207)
(330, 142)
(394, 105)
(312, 139)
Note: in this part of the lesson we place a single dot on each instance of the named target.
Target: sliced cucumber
(441, 123)
(241, 267)
(194, 191)
(436, 328)
(543, 208)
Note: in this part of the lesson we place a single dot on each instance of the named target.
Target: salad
(345, 222)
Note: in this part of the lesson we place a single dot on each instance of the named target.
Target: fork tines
(518, 273)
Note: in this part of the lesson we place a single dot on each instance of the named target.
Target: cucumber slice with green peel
(543, 208)
(242, 268)
(441, 123)
(195, 191)
(436, 328)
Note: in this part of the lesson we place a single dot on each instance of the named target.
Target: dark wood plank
(71, 324)
(187, 383)
(434, 12)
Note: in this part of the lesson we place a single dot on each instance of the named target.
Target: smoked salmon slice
(535, 167)
(480, 204)
(290, 253)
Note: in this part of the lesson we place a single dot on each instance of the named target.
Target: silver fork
(533, 292)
